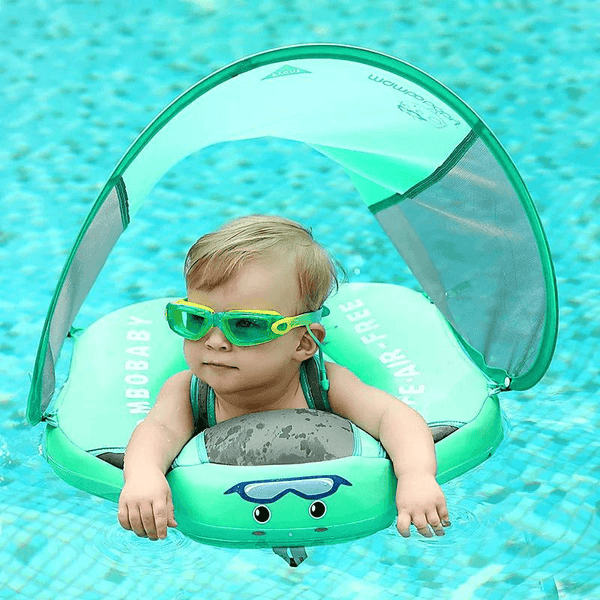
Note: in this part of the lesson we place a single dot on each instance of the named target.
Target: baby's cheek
(190, 352)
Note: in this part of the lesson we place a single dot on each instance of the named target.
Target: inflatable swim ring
(453, 204)
(284, 478)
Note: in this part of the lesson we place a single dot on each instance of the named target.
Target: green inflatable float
(453, 204)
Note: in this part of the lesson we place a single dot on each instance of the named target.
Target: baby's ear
(318, 331)
(307, 344)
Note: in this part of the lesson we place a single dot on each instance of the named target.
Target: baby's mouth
(218, 365)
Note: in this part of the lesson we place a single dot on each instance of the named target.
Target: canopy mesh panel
(468, 241)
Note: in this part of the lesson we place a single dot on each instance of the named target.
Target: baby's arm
(408, 441)
(145, 504)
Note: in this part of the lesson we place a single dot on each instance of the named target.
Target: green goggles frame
(241, 327)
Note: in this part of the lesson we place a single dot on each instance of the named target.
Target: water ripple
(123, 550)
(466, 526)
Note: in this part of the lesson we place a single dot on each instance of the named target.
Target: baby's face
(268, 284)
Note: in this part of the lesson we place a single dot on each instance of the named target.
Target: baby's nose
(216, 340)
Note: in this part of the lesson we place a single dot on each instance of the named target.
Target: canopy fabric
(437, 180)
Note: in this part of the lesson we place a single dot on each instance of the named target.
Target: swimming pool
(80, 81)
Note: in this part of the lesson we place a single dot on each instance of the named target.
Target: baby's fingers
(123, 517)
(421, 525)
(442, 511)
(403, 524)
(443, 514)
(135, 521)
(436, 524)
(160, 519)
(164, 515)
(148, 522)
(171, 522)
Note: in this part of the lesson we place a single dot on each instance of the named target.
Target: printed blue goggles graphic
(267, 491)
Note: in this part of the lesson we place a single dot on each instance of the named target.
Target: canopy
(430, 171)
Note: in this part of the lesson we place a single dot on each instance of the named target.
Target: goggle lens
(186, 323)
(194, 324)
(249, 329)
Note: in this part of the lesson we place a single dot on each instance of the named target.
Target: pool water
(81, 78)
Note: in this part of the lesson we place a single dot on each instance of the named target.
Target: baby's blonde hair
(216, 257)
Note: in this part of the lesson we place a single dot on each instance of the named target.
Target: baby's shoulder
(172, 404)
(341, 380)
(345, 388)
(339, 374)
(177, 386)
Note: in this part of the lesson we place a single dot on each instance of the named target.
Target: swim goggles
(266, 491)
(241, 327)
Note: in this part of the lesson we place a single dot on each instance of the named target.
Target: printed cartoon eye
(261, 514)
(317, 509)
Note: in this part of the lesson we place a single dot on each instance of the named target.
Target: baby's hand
(146, 506)
(420, 500)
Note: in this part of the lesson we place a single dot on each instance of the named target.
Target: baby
(256, 289)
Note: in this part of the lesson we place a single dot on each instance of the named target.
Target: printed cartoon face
(271, 503)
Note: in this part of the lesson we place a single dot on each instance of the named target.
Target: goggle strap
(324, 381)
(304, 319)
